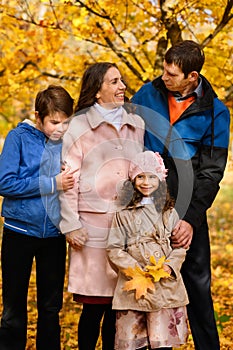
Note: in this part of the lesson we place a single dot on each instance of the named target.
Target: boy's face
(53, 126)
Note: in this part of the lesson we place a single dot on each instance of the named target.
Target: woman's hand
(77, 238)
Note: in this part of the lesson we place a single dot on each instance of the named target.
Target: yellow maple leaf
(140, 281)
(156, 270)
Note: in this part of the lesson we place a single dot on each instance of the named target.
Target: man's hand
(77, 238)
(182, 235)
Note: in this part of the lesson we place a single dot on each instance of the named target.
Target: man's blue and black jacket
(194, 148)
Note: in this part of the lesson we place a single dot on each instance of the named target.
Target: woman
(101, 140)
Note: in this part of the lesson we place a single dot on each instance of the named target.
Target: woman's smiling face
(112, 91)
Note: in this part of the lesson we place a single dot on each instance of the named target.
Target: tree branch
(107, 17)
(91, 10)
(47, 74)
(119, 54)
(227, 16)
(170, 22)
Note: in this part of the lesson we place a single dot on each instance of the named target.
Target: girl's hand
(167, 269)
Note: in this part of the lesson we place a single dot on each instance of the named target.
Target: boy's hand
(77, 238)
(65, 180)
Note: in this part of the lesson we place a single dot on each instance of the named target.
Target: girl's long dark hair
(130, 196)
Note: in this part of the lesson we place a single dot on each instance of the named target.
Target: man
(189, 126)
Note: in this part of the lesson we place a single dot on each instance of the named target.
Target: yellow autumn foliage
(140, 282)
(156, 271)
(43, 42)
(143, 280)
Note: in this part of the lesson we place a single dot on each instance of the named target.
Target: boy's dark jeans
(18, 251)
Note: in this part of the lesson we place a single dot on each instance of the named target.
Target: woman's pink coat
(102, 155)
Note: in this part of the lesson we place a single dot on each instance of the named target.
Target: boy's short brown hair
(53, 99)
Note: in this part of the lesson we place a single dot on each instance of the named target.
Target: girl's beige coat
(137, 234)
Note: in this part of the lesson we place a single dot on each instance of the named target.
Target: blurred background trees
(53, 41)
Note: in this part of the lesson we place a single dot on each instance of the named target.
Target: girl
(140, 231)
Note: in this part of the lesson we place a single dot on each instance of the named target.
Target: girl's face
(146, 183)
(53, 126)
(112, 91)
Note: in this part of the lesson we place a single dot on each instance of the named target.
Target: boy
(29, 180)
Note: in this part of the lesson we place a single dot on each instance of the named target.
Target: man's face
(174, 79)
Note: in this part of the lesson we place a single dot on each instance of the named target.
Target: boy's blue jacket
(194, 148)
(28, 165)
